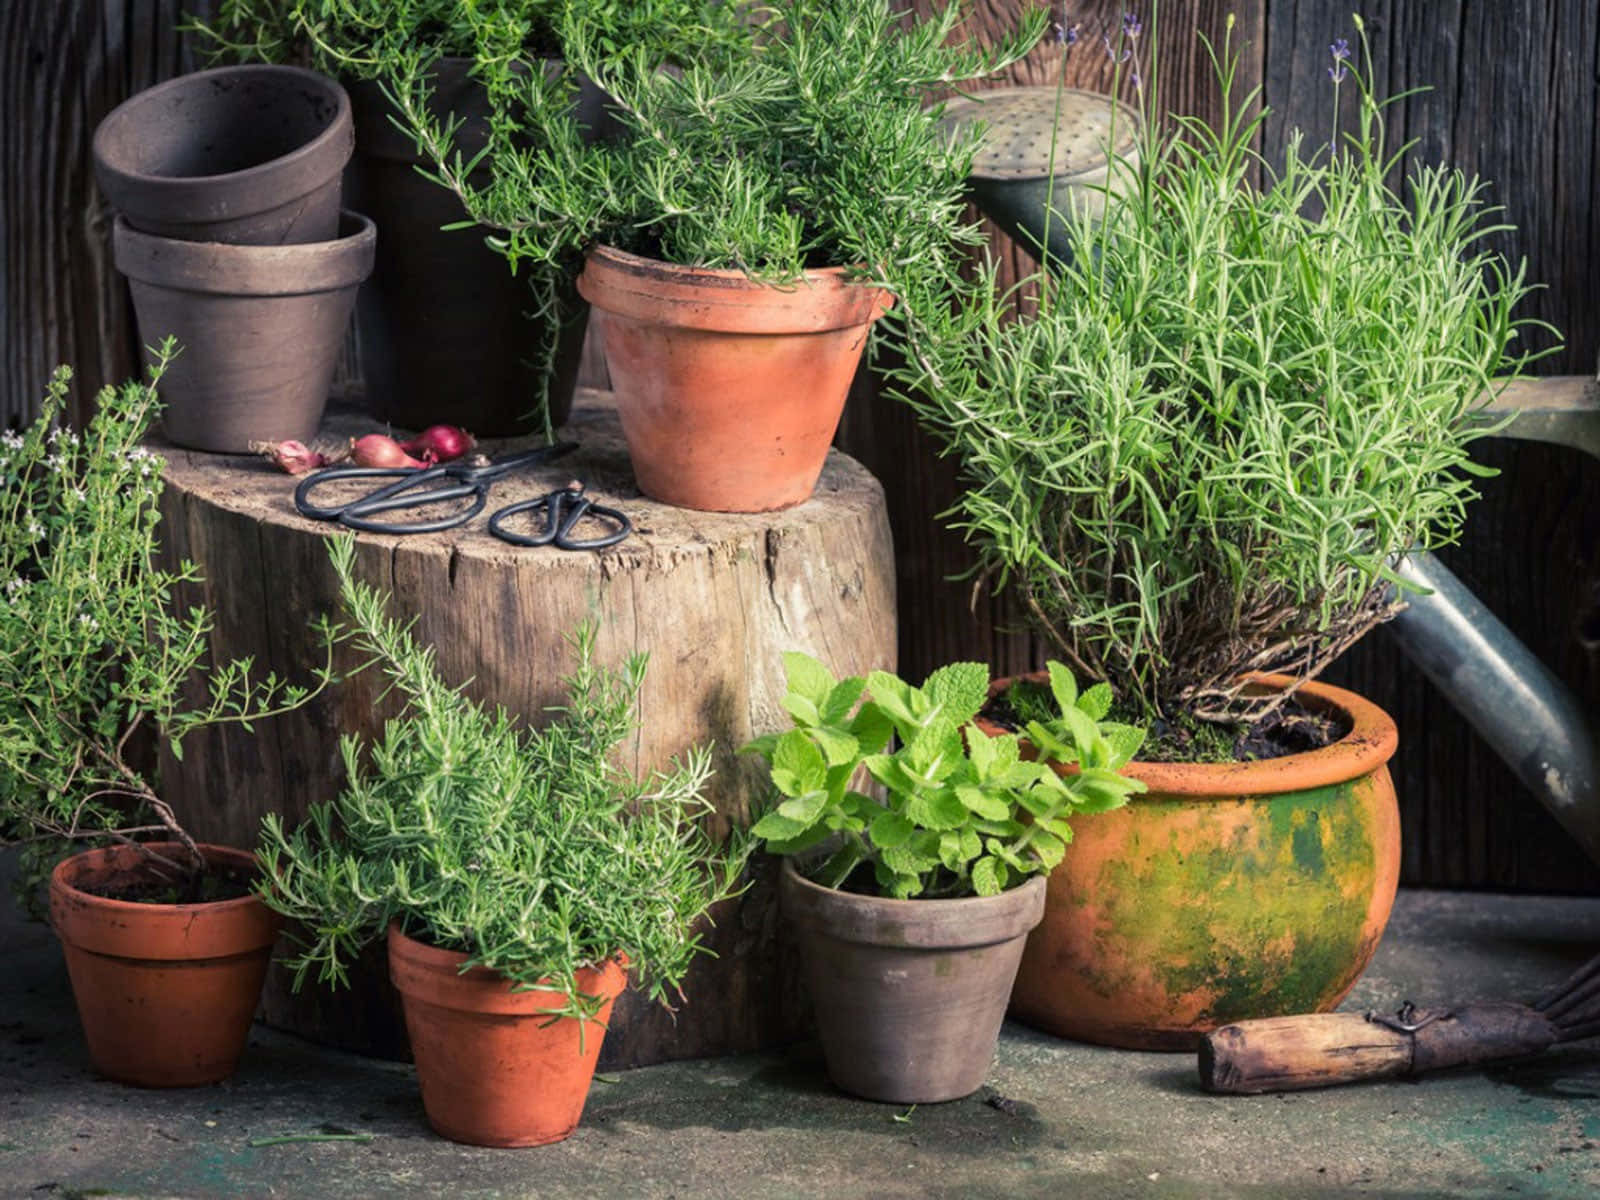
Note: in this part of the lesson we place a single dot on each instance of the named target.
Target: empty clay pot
(447, 331)
(909, 994)
(493, 1068)
(260, 329)
(1227, 891)
(249, 155)
(166, 992)
(729, 391)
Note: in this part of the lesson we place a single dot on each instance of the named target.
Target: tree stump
(715, 598)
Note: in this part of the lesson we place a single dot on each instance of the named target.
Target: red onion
(440, 443)
(380, 450)
(294, 457)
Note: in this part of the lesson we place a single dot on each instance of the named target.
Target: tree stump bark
(715, 598)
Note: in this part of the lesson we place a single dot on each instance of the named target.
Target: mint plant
(958, 812)
(528, 850)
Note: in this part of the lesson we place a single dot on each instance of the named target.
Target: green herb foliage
(1232, 407)
(93, 657)
(961, 812)
(527, 850)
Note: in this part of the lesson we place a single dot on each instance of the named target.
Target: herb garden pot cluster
(227, 184)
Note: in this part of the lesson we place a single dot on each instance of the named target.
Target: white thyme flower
(35, 530)
(88, 622)
(10, 440)
(15, 585)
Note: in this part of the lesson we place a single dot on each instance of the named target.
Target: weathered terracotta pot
(1225, 892)
(447, 331)
(494, 1070)
(260, 329)
(729, 391)
(249, 155)
(909, 994)
(166, 992)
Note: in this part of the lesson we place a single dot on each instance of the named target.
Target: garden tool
(1284, 1054)
(464, 479)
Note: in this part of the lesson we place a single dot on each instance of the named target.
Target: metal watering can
(1528, 716)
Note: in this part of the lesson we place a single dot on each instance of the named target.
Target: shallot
(440, 443)
(380, 450)
(294, 457)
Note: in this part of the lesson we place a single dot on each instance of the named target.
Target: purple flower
(1340, 52)
(1111, 51)
(1066, 35)
(1131, 25)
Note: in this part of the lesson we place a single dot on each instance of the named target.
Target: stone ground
(1056, 1119)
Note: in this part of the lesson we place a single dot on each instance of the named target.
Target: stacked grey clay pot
(226, 185)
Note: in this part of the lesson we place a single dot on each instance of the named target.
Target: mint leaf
(1096, 702)
(797, 765)
(959, 689)
(1063, 686)
(891, 830)
(808, 677)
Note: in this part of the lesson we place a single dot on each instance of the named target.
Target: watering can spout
(1528, 716)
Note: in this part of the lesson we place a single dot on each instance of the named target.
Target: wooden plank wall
(1514, 97)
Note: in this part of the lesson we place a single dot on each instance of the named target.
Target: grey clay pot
(909, 994)
(260, 329)
(248, 155)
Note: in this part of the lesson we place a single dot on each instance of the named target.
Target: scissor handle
(563, 508)
(404, 477)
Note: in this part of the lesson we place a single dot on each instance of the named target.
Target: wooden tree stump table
(715, 599)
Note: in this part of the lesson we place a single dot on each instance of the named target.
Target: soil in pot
(250, 155)
(166, 992)
(448, 331)
(729, 391)
(260, 329)
(1227, 891)
(493, 1067)
(909, 994)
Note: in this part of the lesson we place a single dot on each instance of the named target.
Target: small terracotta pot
(1227, 891)
(260, 329)
(446, 328)
(729, 391)
(909, 994)
(249, 155)
(166, 992)
(493, 1068)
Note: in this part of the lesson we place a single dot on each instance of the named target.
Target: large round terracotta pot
(166, 992)
(250, 155)
(448, 331)
(729, 390)
(909, 994)
(493, 1067)
(1227, 891)
(259, 328)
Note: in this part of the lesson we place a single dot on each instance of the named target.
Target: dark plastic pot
(247, 155)
(166, 992)
(260, 329)
(909, 994)
(446, 328)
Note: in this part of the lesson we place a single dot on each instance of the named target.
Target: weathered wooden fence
(1513, 96)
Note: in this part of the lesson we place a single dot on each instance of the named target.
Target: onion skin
(292, 457)
(440, 443)
(380, 450)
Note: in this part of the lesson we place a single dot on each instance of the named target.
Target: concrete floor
(1057, 1119)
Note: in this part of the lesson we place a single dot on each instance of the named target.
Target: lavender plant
(527, 850)
(94, 659)
(1234, 405)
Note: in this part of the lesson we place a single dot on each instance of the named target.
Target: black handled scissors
(563, 509)
(413, 488)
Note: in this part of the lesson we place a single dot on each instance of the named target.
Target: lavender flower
(1340, 52)
(1131, 25)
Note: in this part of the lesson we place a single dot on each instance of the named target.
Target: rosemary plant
(1232, 407)
(94, 661)
(527, 850)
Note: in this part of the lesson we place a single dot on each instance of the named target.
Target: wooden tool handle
(1286, 1054)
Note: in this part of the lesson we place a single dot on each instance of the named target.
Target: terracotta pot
(729, 391)
(494, 1070)
(249, 155)
(166, 992)
(260, 328)
(447, 331)
(1225, 892)
(909, 994)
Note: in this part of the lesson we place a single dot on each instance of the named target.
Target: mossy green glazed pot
(1225, 892)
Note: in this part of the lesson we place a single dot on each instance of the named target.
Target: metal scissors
(563, 509)
(415, 487)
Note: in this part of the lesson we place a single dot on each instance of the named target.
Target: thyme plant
(94, 659)
(527, 850)
(958, 812)
(1234, 404)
